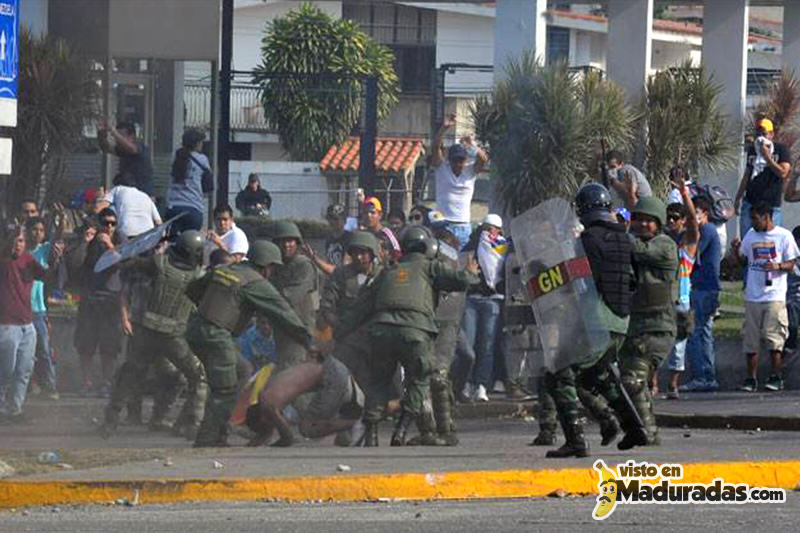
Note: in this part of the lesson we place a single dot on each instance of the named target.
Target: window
(409, 32)
(557, 44)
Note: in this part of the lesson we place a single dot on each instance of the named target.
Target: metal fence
(247, 113)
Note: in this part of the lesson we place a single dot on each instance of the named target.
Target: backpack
(721, 202)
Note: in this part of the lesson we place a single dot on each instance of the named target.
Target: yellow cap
(766, 125)
(373, 204)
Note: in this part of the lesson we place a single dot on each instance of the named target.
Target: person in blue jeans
(41, 250)
(191, 181)
(481, 323)
(704, 300)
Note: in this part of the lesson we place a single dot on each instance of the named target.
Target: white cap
(493, 220)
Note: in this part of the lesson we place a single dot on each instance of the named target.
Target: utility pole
(226, 59)
(369, 133)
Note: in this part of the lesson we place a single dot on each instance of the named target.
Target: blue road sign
(9, 57)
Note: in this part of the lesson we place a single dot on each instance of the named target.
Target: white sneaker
(499, 387)
(480, 394)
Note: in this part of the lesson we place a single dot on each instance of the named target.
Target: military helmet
(263, 253)
(286, 229)
(335, 211)
(365, 240)
(651, 206)
(189, 246)
(416, 239)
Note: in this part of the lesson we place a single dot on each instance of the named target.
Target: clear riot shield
(559, 284)
(521, 347)
(136, 246)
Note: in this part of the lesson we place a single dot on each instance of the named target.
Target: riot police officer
(400, 308)
(609, 252)
(652, 329)
(296, 280)
(159, 332)
(227, 297)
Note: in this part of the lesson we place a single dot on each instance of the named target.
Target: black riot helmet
(593, 202)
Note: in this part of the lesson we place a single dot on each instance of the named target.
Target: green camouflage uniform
(400, 307)
(448, 320)
(159, 320)
(297, 282)
(652, 330)
(339, 295)
(227, 298)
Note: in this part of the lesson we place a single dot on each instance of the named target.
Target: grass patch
(728, 325)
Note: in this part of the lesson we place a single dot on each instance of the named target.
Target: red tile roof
(392, 154)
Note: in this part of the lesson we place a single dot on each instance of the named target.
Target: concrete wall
(298, 190)
(411, 116)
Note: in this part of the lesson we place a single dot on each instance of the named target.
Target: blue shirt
(705, 276)
(41, 253)
(189, 192)
(256, 348)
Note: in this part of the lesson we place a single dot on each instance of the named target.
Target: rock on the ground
(6, 470)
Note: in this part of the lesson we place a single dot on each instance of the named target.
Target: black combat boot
(443, 402)
(636, 436)
(546, 437)
(370, 437)
(576, 444)
(609, 429)
(401, 429)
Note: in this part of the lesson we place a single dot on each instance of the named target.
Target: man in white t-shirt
(135, 210)
(455, 180)
(227, 235)
(771, 253)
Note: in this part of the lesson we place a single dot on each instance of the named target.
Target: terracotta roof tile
(392, 154)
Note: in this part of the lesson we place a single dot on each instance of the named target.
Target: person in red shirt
(18, 270)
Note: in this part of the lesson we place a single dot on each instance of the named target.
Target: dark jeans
(193, 219)
(480, 327)
(793, 310)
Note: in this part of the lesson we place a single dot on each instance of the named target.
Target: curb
(374, 487)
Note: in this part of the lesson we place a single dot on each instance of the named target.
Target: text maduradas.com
(634, 491)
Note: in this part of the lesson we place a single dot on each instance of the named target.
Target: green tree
(545, 128)
(58, 94)
(310, 114)
(685, 125)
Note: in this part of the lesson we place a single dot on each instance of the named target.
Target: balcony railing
(247, 113)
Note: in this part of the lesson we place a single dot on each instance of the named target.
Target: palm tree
(545, 127)
(58, 95)
(685, 125)
(782, 106)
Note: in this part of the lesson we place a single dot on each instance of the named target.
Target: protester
(793, 304)
(134, 156)
(765, 176)
(481, 321)
(682, 226)
(42, 250)
(257, 344)
(397, 221)
(372, 215)
(704, 302)
(418, 215)
(191, 180)
(335, 242)
(455, 180)
(135, 210)
(99, 328)
(227, 235)
(770, 252)
(253, 201)
(18, 270)
(626, 183)
(336, 406)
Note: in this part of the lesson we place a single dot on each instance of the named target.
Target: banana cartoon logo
(607, 500)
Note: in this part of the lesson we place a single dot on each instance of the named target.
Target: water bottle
(49, 458)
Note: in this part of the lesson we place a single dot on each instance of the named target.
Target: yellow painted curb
(404, 486)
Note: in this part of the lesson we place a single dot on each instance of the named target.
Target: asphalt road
(496, 516)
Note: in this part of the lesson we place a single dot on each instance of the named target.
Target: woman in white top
(136, 212)
(191, 180)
